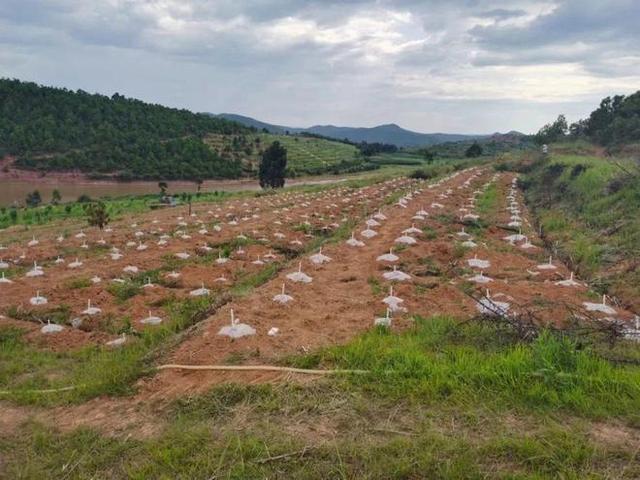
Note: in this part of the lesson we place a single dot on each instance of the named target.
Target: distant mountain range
(390, 133)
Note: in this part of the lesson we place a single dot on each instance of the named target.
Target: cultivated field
(456, 381)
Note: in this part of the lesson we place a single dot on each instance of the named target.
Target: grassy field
(442, 400)
(399, 158)
(46, 214)
(305, 155)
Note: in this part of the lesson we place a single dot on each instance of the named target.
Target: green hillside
(588, 207)
(306, 155)
(491, 146)
(52, 129)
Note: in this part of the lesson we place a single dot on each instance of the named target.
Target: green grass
(439, 359)
(124, 291)
(444, 401)
(202, 449)
(58, 314)
(116, 207)
(376, 287)
(399, 158)
(487, 203)
(246, 284)
(93, 371)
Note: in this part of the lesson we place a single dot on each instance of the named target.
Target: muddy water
(16, 190)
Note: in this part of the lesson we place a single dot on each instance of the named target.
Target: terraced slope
(306, 155)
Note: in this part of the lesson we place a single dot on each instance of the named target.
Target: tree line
(616, 121)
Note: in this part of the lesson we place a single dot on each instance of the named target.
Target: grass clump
(78, 283)
(439, 359)
(374, 284)
(488, 201)
(247, 283)
(124, 291)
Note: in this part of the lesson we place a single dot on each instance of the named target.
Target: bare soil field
(214, 246)
(463, 254)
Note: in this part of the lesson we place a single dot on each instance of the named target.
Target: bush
(422, 174)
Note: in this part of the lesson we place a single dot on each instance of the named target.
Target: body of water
(12, 190)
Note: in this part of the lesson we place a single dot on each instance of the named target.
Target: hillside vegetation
(588, 208)
(491, 146)
(587, 194)
(52, 129)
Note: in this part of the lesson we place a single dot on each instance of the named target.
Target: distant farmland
(306, 155)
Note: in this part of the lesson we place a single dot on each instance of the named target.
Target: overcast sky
(467, 66)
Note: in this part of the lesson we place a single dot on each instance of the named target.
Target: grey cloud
(213, 55)
(502, 14)
(589, 33)
(587, 21)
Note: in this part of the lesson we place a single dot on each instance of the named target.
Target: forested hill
(52, 129)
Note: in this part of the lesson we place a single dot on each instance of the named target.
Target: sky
(463, 66)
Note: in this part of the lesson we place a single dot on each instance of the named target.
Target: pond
(14, 190)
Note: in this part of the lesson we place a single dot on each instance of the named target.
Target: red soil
(344, 296)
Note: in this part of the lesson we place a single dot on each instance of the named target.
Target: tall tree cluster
(273, 166)
(616, 121)
(473, 151)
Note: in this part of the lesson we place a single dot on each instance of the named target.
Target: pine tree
(273, 166)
